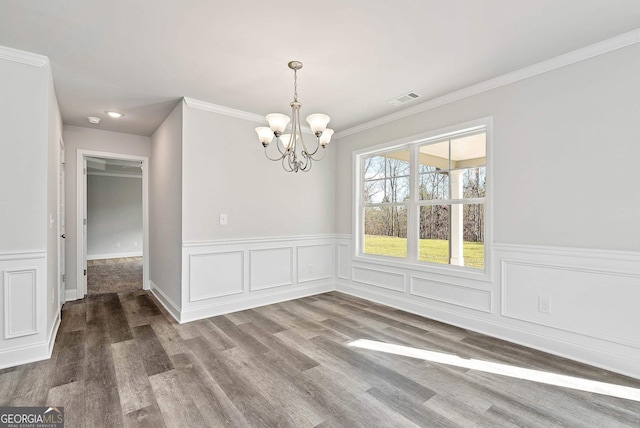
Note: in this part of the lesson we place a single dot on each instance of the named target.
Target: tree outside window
(450, 179)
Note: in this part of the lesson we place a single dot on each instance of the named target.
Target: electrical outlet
(310, 269)
(117, 245)
(544, 304)
(223, 219)
(135, 243)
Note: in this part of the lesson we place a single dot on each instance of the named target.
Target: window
(424, 201)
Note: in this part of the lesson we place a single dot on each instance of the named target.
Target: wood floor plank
(102, 401)
(33, 384)
(134, 388)
(176, 406)
(255, 408)
(167, 335)
(147, 417)
(246, 341)
(118, 326)
(357, 408)
(74, 317)
(69, 356)
(121, 360)
(214, 405)
(71, 396)
(410, 408)
(214, 335)
(286, 401)
(369, 369)
(150, 349)
(296, 358)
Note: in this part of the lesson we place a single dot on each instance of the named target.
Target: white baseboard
(70, 295)
(253, 301)
(171, 307)
(30, 353)
(113, 255)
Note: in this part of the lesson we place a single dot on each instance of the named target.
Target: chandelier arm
(308, 161)
(284, 166)
(278, 144)
(324, 153)
(270, 158)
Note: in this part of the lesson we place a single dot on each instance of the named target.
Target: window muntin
(443, 214)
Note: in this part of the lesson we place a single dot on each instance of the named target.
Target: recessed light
(114, 114)
(93, 119)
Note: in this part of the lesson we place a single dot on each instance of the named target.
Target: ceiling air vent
(404, 98)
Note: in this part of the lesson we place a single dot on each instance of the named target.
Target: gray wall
(23, 163)
(565, 152)
(114, 216)
(165, 206)
(54, 126)
(225, 171)
(75, 138)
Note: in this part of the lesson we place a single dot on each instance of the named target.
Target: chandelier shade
(291, 149)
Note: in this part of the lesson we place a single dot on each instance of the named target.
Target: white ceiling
(140, 57)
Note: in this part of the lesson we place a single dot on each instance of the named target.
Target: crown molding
(608, 45)
(23, 57)
(227, 111)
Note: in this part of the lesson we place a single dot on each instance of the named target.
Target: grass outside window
(431, 250)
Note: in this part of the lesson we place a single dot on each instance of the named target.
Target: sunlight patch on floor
(503, 369)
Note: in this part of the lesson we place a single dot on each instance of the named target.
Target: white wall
(75, 138)
(29, 135)
(114, 216)
(165, 210)
(565, 210)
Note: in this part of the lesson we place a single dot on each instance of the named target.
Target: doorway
(112, 223)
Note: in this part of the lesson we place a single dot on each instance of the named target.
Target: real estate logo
(31, 417)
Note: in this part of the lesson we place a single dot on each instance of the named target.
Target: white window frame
(413, 143)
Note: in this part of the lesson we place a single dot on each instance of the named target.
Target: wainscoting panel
(219, 277)
(454, 294)
(271, 267)
(20, 304)
(595, 303)
(344, 255)
(215, 275)
(23, 299)
(577, 303)
(315, 262)
(370, 275)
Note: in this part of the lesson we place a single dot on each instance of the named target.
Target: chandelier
(292, 150)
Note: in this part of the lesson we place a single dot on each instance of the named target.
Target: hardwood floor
(114, 275)
(120, 360)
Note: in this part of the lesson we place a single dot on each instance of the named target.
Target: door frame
(81, 200)
(61, 225)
